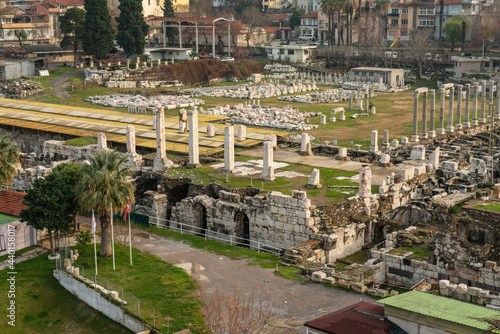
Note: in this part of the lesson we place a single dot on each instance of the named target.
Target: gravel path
(61, 82)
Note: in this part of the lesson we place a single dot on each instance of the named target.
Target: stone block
(344, 284)
(328, 280)
(490, 265)
(317, 276)
(382, 293)
(359, 288)
(473, 291)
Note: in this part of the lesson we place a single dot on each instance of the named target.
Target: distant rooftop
(11, 202)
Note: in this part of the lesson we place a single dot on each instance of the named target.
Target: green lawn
(44, 306)
(420, 252)
(169, 289)
(18, 253)
(81, 141)
(492, 206)
(4, 219)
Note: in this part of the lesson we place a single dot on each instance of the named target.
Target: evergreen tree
(168, 11)
(98, 34)
(131, 27)
(72, 25)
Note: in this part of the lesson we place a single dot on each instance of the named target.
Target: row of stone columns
(457, 125)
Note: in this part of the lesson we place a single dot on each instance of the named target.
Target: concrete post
(194, 153)
(442, 93)
(467, 105)
(458, 123)
(267, 167)
(423, 134)
(450, 128)
(228, 150)
(474, 105)
(432, 133)
(414, 134)
(482, 118)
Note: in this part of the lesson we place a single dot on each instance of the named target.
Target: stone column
(385, 141)
(497, 112)
(432, 133)
(101, 141)
(350, 102)
(305, 144)
(374, 145)
(458, 123)
(367, 106)
(242, 132)
(274, 140)
(210, 130)
(482, 118)
(365, 182)
(161, 161)
(414, 134)
(450, 128)
(474, 105)
(442, 93)
(228, 150)
(128, 63)
(194, 153)
(130, 139)
(467, 106)
(267, 167)
(423, 134)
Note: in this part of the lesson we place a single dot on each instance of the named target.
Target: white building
(291, 53)
(168, 53)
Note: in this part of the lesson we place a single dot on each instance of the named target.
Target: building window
(282, 51)
(394, 11)
(291, 52)
(394, 22)
(404, 10)
(404, 22)
(426, 11)
(425, 22)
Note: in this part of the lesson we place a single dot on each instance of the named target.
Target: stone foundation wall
(483, 215)
(406, 272)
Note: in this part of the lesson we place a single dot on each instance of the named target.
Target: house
(393, 77)
(278, 18)
(309, 24)
(168, 53)
(419, 312)
(53, 53)
(309, 6)
(360, 318)
(464, 65)
(11, 204)
(15, 68)
(291, 53)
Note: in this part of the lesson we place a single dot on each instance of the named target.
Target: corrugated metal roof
(447, 309)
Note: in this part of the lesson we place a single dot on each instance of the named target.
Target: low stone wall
(98, 302)
(403, 271)
(483, 215)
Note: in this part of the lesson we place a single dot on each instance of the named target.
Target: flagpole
(130, 238)
(112, 237)
(95, 247)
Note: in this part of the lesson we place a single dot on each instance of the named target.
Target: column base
(414, 139)
(228, 171)
(431, 134)
(482, 120)
(160, 164)
(384, 147)
(441, 131)
(450, 129)
(197, 165)
(497, 117)
(467, 125)
(423, 135)
(488, 119)
(458, 127)
(474, 122)
(267, 178)
(373, 149)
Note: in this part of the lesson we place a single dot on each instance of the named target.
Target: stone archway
(242, 229)
(200, 218)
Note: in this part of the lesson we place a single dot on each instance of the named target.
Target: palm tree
(327, 6)
(338, 5)
(382, 7)
(9, 157)
(349, 8)
(103, 186)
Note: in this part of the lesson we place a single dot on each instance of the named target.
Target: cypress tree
(131, 27)
(98, 34)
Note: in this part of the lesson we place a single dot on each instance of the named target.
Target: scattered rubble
(151, 103)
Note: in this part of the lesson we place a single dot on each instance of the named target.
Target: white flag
(93, 222)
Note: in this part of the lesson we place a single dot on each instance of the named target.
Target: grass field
(81, 141)
(44, 306)
(169, 289)
(4, 219)
(492, 206)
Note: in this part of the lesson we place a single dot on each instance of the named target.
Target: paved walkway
(23, 257)
(378, 173)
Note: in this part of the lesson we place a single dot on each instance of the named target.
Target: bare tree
(235, 314)
(486, 23)
(419, 44)
(377, 46)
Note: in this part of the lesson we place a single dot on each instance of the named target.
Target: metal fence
(215, 235)
(140, 308)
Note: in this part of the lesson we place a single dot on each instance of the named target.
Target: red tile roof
(11, 202)
(360, 318)
(277, 16)
(270, 29)
(313, 15)
(69, 2)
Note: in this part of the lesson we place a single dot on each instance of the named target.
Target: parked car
(228, 59)
(428, 56)
(204, 54)
(354, 54)
(306, 37)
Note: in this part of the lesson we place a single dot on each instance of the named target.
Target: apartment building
(407, 15)
(469, 8)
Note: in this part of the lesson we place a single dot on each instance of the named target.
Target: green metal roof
(447, 309)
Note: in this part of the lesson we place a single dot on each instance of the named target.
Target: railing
(214, 235)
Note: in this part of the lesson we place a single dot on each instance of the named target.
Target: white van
(306, 37)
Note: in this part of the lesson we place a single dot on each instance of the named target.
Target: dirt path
(60, 83)
(294, 302)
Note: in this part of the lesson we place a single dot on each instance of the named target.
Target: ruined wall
(274, 219)
(406, 272)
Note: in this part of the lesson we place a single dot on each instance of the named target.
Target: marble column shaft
(467, 106)
(160, 134)
(458, 123)
(474, 104)
(414, 134)
(194, 153)
(441, 130)
(228, 149)
(423, 134)
(450, 128)
(482, 118)
(432, 133)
